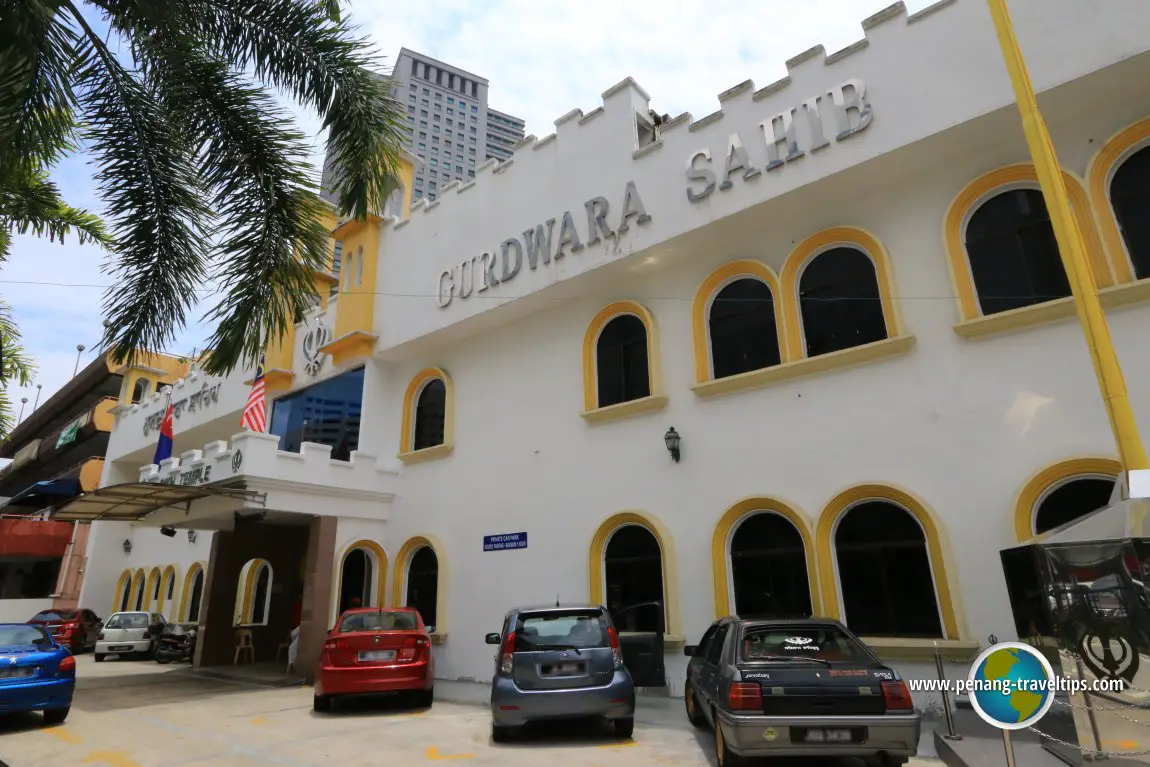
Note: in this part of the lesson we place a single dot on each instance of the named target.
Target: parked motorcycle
(176, 643)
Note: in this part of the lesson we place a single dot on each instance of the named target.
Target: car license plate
(828, 736)
(377, 655)
(119, 648)
(18, 672)
(564, 669)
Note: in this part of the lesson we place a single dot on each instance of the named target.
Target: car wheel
(425, 698)
(98, 657)
(321, 703)
(723, 754)
(56, 715)
(501, 733)
(694, 714)
(624, 727)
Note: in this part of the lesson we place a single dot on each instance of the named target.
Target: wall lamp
(191, 536)
(127, 546)
(672, 439)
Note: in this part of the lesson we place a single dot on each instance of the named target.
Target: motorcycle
(176, 643)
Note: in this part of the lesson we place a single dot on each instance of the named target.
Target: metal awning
(132, 501)
(46, 492)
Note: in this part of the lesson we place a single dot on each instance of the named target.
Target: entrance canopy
(132, 501)
(40, 494)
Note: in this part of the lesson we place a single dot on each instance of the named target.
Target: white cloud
(542, 58)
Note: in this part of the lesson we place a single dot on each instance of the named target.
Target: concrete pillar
(318, 573)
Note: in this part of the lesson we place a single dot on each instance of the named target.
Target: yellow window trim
(350, 347)
(805, 252)
(591, 339)
(137, 589)
(721, 548)
(701, 310)
(170, 570)
(622, 410)
(1026, 505)
(250, 574)
(1099, 175)
(380, 565)
(442, 583)
(123, 582)
(598, 550)
(979, 191)
(410, 399)
(1049, 312)
(153, 583)
(809, 366)
(186, 596)
(828, 566)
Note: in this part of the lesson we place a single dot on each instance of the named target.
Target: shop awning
(132, 501)
(43, 493)
(34, 538)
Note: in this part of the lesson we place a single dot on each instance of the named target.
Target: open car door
(642, 647)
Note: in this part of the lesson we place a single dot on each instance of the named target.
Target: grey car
(559, 663)
(804, 687)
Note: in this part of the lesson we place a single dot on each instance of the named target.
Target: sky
(542, 59)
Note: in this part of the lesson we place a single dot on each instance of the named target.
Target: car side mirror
(492, 639)
(690, 650)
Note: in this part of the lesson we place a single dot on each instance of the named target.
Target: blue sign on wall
(505, 541)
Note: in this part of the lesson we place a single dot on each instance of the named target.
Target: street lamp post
(1072, 247)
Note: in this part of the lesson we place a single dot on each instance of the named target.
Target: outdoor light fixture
(191, 536)
(127, 546)
(168, 531)
(671, 438)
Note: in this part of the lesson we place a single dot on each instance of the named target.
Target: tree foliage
(204, 177)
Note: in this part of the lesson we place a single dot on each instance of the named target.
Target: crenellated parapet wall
(611, 186)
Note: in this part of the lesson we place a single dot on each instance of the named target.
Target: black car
(801, 687)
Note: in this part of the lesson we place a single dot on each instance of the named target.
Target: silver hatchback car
(559, 663)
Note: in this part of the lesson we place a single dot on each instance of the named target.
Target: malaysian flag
(255, 411)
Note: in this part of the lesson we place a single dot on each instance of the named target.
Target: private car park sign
(505, 541)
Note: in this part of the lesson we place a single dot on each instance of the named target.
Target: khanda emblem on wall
(314, 340)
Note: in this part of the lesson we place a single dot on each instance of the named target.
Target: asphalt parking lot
(141, 714)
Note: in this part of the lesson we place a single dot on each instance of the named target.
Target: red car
(76, 629)
(376, 650)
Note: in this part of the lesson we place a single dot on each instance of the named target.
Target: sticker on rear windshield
(848, 672)
(800, 643)
(883, 675)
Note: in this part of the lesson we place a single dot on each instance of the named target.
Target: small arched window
(423, 584)
(140, 390)
(621, 362)
(840, 302)
(1130, 198)
(1070, 501)
(1014, 257)
(884, 572)
(769, 567)
(430, 415)
(742, 328)
(195, 596)
(261, 594)
(633, 576)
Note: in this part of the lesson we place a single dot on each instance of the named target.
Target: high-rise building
(449, 125)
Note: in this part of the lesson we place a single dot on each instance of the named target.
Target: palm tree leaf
(15, 366)
(29, 201)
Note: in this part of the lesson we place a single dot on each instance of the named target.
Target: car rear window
(55, 615)
(552, 630)
(18, 635)
(384, 620)
(820, 642)
(128, 621)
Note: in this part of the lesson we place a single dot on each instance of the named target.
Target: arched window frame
(123, 585)
(656, 400)
(138, 594)
(722, 570)
(410, 400)
(151, 592)
(810, 249)
(964, 206)
(705, 297)
(246, 591)
(139, 390)
(186, 594)
(828, 560)
(1049, 479)
(377, 555)
(399, 580)
(1100, 175)
(167, 579)
(597, 568)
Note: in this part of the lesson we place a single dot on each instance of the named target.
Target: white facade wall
(960, 424)
(20, 610)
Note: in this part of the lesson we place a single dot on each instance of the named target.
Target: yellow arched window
(631, 565)
(138, 592)
(193, 594)
(428, 417)
(362, 577)
(1118, 177)
(421, 581)
(1062, 493)
(622, 373)
(123, 592)
(254, 593)
(882, 567)
(737, 321)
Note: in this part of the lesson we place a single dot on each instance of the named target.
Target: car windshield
(382, 620)
(55, 615)
(21, 635)
(127, 621)
(560, 630)
(818, 643)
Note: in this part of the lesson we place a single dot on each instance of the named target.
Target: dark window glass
(355, 583)
(1130, 196)
(704, 641)
(761, 643)
(196, 596)
(327, 413)
(13, 635)
(840, 302)
(715, 647)
(260, 595)
(140, 597)
(430, 414)
(423, 585)
(1070, 501)
(124, 597)
(633, 567)
(742, 327)
(1014, 257)
(128, 621)
(579, 629)
(769, 568)
(884, 572)
(380, 620)
(171, 587)
(621, 361)
(50, 616)
(140, 390)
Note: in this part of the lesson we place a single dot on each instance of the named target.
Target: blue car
(36, 673)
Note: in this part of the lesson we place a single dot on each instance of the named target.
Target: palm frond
(30, 202)
(16, 367)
